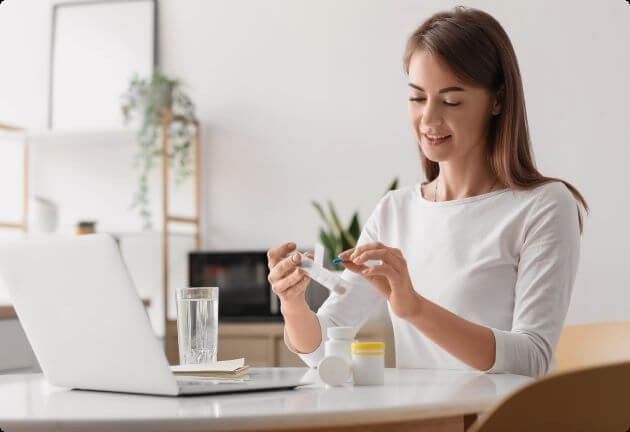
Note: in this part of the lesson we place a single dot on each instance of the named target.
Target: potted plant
(334, 237)
(148, 99)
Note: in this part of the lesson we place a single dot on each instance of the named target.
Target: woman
(478, 263)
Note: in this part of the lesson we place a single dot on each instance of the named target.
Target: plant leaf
(334, 218)
(345, 240)
(393, 186)
(327, 242)
(354, 229)
(320, 210)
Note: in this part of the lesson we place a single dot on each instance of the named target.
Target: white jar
(368, 363)
(334, 371)
(339, 343)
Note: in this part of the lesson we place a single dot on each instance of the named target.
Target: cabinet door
(258, 351)
(286, 358)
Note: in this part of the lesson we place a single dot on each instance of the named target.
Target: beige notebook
(221, 369)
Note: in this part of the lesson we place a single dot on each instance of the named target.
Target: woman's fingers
(295, 277)
(300, 287)
(283, 267)
(275, 254)
(346, 254)
(356, 268)
(368, 246)
(385, 270)
(385, 255)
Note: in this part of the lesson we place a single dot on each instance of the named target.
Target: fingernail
(295, 258)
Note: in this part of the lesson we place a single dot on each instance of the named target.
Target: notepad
(221, 369)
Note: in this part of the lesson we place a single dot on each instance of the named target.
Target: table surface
(29, 402)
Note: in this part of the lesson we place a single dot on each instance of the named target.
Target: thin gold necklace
(436, 185)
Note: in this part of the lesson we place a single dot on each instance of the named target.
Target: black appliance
(244, 291)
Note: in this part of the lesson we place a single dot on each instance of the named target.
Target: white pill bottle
(339, 343)
(368, 363)
(339, 346)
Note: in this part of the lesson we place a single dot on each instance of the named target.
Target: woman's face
(441, 105)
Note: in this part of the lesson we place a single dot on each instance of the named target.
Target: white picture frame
(96, 48)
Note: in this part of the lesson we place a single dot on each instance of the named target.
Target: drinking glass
(197, 324)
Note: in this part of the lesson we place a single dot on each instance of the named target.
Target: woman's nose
(431, 115)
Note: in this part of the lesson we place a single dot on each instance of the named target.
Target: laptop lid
(82, 315)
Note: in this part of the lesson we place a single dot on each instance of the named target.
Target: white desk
(413, 399)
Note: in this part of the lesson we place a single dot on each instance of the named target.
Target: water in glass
(197, 321)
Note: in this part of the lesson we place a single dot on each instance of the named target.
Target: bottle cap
(341, 333)
(333, 370)
(368, 348)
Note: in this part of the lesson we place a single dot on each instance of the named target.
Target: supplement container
(339, 343)
(333, 370)
(368, 363)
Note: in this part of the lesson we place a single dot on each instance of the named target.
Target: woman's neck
(463, 180)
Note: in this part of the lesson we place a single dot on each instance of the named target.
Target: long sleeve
(350, 310)
(546, 272)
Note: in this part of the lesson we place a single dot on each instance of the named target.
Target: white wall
(306, 100)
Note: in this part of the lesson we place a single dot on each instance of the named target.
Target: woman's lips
(435, 142)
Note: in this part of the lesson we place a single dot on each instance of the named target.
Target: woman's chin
(435, 154)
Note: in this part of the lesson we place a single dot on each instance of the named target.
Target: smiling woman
(467, 52)
(477, 264)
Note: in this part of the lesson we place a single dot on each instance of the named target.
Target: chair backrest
(590, 399)
(585, 345)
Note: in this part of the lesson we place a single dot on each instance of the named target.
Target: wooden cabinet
(262, 344)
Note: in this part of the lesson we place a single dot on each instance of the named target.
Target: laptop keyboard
(206, 385)
(188, 382)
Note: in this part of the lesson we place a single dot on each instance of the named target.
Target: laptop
(88, 328)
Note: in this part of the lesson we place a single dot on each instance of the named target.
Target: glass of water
(197, 324)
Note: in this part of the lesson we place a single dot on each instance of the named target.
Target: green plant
(333, 236)
(149, 98)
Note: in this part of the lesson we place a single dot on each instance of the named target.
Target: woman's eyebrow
(444, 90)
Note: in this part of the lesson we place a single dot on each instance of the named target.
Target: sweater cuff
(311, 359)
(499, 357)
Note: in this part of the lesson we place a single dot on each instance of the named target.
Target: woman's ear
(497, 105)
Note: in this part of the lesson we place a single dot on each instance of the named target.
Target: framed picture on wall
(96, 48)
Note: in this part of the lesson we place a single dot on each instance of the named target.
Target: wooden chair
(585, 345)
(589, 399)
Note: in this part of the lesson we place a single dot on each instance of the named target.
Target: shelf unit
(168, 117)
(24, 224)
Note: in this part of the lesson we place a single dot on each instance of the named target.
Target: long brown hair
(478, 50)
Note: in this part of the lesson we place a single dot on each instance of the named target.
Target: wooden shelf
(23, 225)
(170, 327)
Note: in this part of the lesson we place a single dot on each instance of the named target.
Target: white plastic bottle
(339, 343)
(368, 363)
(334, 371)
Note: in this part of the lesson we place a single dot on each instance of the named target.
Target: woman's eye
(447, 103)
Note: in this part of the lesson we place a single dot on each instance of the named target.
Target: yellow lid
(368, 346)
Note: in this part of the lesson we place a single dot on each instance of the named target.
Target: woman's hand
(391, 278)
(288, 281)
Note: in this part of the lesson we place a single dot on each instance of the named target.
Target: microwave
(244, 292)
